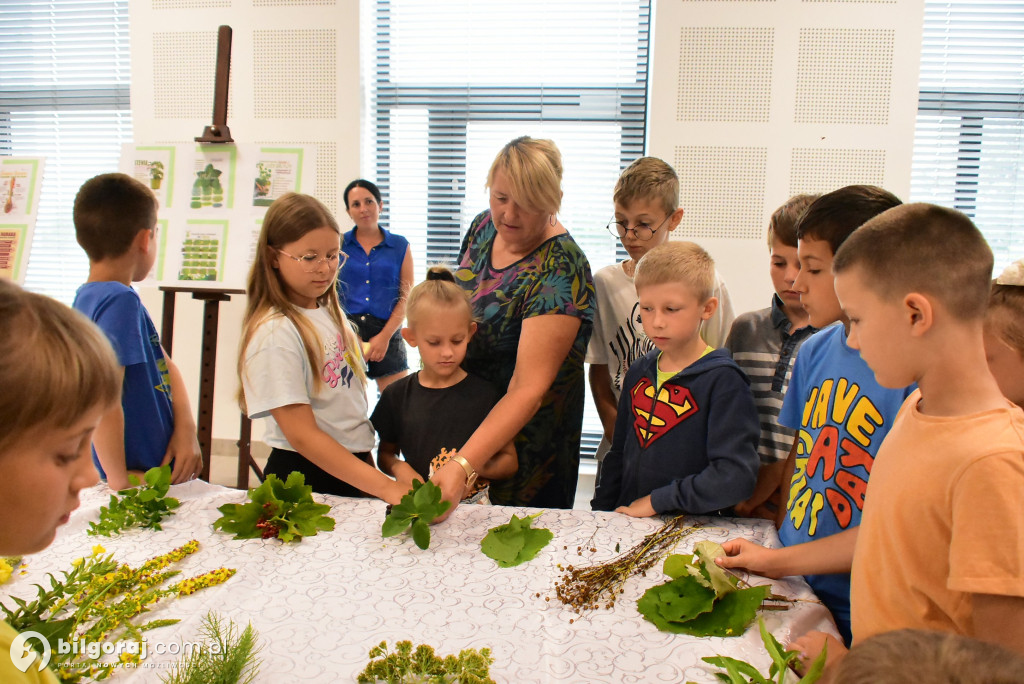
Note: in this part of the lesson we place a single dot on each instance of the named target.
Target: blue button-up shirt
(370, 283)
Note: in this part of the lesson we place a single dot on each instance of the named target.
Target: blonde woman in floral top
(533, 296)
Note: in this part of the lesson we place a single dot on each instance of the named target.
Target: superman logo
(654, 416)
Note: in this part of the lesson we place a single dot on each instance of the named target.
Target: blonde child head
(438, 289)
(1004, 332)
(60, 375)
(648, 179)
(288, 219)
(686, 263)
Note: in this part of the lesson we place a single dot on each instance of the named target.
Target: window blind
(969, 139)
(64, 95)
(450, 82)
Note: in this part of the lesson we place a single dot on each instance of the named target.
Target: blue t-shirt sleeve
(120, 317)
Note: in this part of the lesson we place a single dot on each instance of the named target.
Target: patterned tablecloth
(321, 604)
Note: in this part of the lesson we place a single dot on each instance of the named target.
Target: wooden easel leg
(207, 371)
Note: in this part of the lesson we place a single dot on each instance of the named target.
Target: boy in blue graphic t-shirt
(115, 223)
(840, 413)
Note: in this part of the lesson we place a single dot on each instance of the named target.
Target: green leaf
(708, 551)
(817, 667)
(515, 542)
(421, 533)
(730, 616)
(675, 566)
(774, 648)
(736, 669)
(285, 510)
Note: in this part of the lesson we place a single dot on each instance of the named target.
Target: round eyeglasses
(642, 231)
(311, 262)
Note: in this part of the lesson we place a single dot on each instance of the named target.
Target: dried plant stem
(588, 588)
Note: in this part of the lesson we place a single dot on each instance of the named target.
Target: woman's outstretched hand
(451, 478)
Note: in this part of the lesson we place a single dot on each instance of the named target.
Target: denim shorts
(394, 360)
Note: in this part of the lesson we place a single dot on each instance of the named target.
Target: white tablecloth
(321, 604)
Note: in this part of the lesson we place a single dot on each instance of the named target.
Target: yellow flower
(77, 562)
(5, 570)
(97, 550)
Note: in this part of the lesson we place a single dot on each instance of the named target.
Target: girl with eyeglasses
(301, 362)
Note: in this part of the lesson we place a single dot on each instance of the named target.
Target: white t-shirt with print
(277, 373)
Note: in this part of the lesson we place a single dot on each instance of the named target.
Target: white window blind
(969, 141)
(64, 95)
(450, 82)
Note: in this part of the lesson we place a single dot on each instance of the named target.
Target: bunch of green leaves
(136, 506)
(227, 658)
(742, 672)
(701, 599)
(98, 600)
(285, 510)
(417, 510)
(515, 542)
(423, 665)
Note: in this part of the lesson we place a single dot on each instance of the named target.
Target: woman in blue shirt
(374, 282)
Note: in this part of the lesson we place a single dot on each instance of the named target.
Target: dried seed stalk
(588, 588)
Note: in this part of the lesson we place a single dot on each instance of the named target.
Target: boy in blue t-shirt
(686, 430)
(840, 413)
(115, 223)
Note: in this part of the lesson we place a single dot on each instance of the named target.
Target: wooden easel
(218, 132)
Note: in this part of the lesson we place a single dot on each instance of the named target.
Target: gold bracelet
(471, 474)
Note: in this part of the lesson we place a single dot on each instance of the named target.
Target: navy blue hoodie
(695, 450)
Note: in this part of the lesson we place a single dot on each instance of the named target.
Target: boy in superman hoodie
(687, 427)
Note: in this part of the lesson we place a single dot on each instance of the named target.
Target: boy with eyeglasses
(152, 425)
(647, 210)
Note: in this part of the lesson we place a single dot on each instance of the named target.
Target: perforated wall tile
(295, 74)
(189, 4)
(725, 74)
(844, 76)
(184, 70)
(824, 170)
(721, 191)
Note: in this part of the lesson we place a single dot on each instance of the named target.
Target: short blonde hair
(534, 170)
(916, 655)
(55, 365)
(648, 178)
(1005, 316)
(677, 262)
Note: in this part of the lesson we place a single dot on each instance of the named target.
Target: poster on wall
(212, 202)
(20, 181)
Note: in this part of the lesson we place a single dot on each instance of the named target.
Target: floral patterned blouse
(554, 279)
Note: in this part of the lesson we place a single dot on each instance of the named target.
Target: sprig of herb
(587, 588)
(515, 542)
(423, 665)
(97, 600)
(227, 658)
(137, 506)
(285, 510)
(417, 510)
(741, 672)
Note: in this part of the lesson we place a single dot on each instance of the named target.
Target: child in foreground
(45, 453)
(945, 553)
(647, 210)
(686, 432)
(764, 345)
(428, 415)
(300, 361)
(115, 223)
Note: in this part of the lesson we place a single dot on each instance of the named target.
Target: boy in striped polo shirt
(764, 344)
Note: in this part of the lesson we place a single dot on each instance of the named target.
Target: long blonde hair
(55, 365)
(288, 219)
